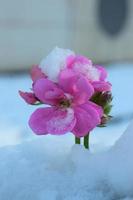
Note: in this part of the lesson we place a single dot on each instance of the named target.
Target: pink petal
(84, 66)
(29, 97)
(47, 91)
(82, 91)
(79, 64)
(36, 73)
(101, 86)
(70, 60)
(52, 120)
(67, 79)
(82, 60)
(96, 107)
(76, 85)
(103, 72)
(77, 60)
(87, 118)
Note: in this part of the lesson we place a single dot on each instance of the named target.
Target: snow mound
(41, 170)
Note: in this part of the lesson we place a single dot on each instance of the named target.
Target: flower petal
(84, 66)
(29, 97)
(96, 107)
(87, 118)
(52, 120)
(103, 72)
(67, 79)
(47, 91)
(82, 91)
(101, 86)
(76, 85)
(36, 73)
(78, 60)
(70, 60)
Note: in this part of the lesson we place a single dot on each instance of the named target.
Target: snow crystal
(55, 61)
(42, 169)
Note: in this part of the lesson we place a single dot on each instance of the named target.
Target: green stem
(77, 140)
(86, 141)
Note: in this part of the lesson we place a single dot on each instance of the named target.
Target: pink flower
(67, 84)
(95, 74)
(68, 106)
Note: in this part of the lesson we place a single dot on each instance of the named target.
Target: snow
(52, 64)
(41, 170)
(50, 167)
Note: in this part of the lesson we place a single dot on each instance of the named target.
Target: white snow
(54, 62)
(12, 135)
(43, 169)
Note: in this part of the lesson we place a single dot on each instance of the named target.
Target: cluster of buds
(75, 93)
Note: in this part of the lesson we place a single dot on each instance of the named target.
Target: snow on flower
(95, 74)
(54, 62)
(83, 65)
(68, 84)
(62, 59)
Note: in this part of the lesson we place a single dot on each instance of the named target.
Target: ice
(42, 169)
(54, 62)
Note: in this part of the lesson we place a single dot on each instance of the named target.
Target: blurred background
(30, 29)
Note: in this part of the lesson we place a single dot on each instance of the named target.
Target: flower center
(65, 103)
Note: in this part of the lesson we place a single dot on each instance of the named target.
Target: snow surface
(44, 170)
